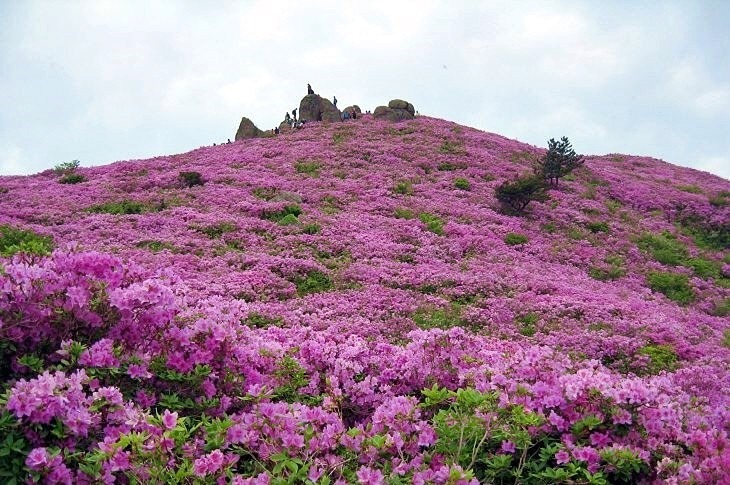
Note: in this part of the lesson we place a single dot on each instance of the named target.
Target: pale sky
(102, 81)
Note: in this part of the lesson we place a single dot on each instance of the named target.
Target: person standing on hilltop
(334, 100)
(294, 114)
(309, 89)
(287, 118)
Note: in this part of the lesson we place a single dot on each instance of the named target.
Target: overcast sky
(101, 81)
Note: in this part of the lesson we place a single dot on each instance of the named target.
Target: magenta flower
(169, 420)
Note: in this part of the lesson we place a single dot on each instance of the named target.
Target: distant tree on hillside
(559, 161)
(516, 194)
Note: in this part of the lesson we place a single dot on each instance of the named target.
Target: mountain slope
(343, 268)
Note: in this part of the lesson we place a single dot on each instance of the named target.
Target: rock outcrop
(396, 110)
(353, 109)
(314, 107)
(246, 129)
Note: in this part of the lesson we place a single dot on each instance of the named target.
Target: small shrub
(447, 167)
(311, 228)
(708, 235)
(452, 147)
(13, 241)
(279, 214)
(663, 247)
(215, 231)
(403, 213)
(722, 308)
(288, 220)
(4, 190)
(726, 338)
(661, 358)
(596, 227)
(190, 179)
(313, 282)
(527, 323)
(692, 189)
(613, 205)
(155, 246)
(72, 178)
(515, 195)
(559, 161)
(720, 199)
(514, 239)
(462, 184)
(121, 208)
(428, 317)
(264, 193)
(308, 167)
(704, 268)
(674, 286)
(259, 320)
(433, 223)
(404, 187)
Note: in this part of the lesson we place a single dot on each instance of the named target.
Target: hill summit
(348, 303)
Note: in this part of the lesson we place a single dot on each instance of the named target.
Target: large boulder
(353, 109)
(400, 104)
(313, 107)
(284, 126)
(246, 129)
(396, 110)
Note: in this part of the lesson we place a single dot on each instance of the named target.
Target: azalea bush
(322, 312)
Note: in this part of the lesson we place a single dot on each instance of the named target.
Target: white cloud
(12, 161)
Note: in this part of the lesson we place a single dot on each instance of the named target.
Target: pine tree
(559, 161)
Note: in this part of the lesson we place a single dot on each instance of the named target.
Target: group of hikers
(294, 123)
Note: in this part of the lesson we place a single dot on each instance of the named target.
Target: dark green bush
(596, 227)
(121, 207)
(514, 239)
(288, 220)
(313, 282)
(277, 215)
(433, 223)
(190, 179)
(72, 178)
(429, 317)
(13, 240)
(67, 167)
(404, 187)
(559, 161)
(308, 167)
(155, 246)
(462, 184)
(527, 323)
(452, 148)
(663, 247)
(215, 231)
(403, 213)
(311, 228)
(674, 286)
(515, 195)
(661, 358)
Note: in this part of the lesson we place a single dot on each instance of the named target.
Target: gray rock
(398, 104)
(391, 114)
(313, 107)
(285, 196)
(246, 129)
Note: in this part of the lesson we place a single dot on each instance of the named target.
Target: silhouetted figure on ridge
(334, 100)
(287, 118)
(309, 89)
(294, 114)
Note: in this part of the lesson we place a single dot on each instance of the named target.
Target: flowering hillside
(348, 304)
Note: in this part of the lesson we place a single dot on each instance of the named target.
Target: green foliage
(596, 227)
(663, 247)
(123, 207)
(462, 183)
(259, 320)
(190, 179)
(674, 286)
(313, 282)
(624, 463)
(514, 239)
(661, 358)
(404, 213)
(429, 317)
(404, 187)
(288, 220)
(704, 268)
(433, 223)
(339, 136)
(726, 338)
(14, 241)
(308, 167)
(311, 228)
(706, 234)
(722, 308)
(527, 323)
(515, 195)
(559, 161)
(214, 231)
(72, 178)
(613, 269)
(452, 148)
(291, 376)
(720, 199)
(67, 167)
(265, 193)
(692, 189)
(13, 448)
(279, 214)
(155, 246)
